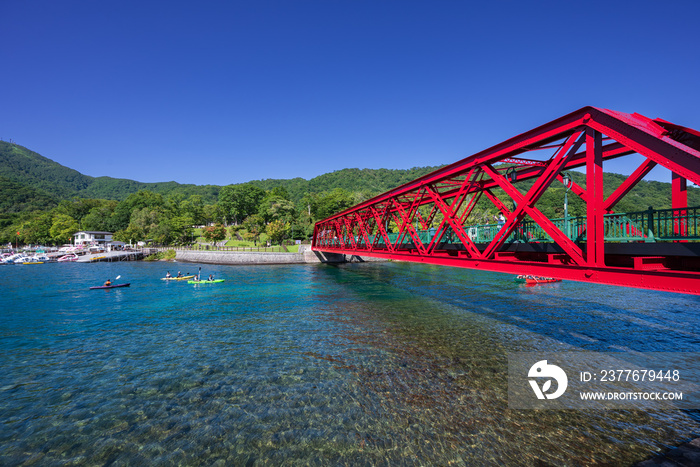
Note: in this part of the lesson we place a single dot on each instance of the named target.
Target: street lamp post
(567, 181)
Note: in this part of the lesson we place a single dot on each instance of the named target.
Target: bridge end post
(679, 203)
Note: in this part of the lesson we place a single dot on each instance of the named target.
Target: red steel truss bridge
(428, 220)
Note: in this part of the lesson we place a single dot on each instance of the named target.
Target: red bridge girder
(583, 139)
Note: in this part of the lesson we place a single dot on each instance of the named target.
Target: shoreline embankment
(304, 256)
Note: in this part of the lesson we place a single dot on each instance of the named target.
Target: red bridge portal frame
(441, 202)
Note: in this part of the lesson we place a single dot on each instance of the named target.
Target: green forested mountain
(119, 188)
(370, 182)
(30, 182)
(50, 179)
(28, 168)
(16, 197)
(44, 180)
(44, 202)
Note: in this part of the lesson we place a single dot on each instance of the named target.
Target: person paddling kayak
(107, 283)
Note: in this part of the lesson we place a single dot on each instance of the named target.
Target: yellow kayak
(183, 278)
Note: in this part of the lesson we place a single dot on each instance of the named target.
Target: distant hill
(16, 198)
(26, 168)
(32, 180)
(29, 181)
(369, 181)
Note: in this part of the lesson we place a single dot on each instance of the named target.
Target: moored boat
(534, 280)
(12, 258)
(26, 259)
(67, 258)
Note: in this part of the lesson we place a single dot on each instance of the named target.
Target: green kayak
(206, 282)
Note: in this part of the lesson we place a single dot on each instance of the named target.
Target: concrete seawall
(305, 256)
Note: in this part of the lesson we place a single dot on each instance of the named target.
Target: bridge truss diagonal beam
(434, 219)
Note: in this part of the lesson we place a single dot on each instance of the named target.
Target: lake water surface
(358, 364)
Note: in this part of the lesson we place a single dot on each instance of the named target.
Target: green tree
(254, 225)
(213, 213)
(154, 224)
(62, 228)
(100, 217)
(277, 231)
(78, 208)
(239, 201)
(214, 233)
(144, 223)
(37, 230)
(125, 235)
(173, 204)
(166, 231)
(194, 208)
(136, 201)
(181, 230)
(280, 192)
(327, 204)
(274, 207)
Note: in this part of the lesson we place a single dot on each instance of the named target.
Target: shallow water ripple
(377, 364)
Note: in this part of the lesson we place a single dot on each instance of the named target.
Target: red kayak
(110, 286)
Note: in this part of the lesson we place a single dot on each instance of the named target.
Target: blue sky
(225, 92)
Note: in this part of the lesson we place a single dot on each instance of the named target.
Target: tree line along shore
(42, 202)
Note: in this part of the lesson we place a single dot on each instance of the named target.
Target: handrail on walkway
(649, 226)
(260, 249)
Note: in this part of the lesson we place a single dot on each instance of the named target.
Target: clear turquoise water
(362, 364)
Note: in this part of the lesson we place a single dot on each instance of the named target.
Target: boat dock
(129, 255)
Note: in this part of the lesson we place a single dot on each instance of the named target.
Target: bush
(167, 255)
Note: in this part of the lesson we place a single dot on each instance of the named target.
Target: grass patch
(239, 243)
(167, 255)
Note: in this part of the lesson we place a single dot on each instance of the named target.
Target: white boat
(12, 259)
(67, 258)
